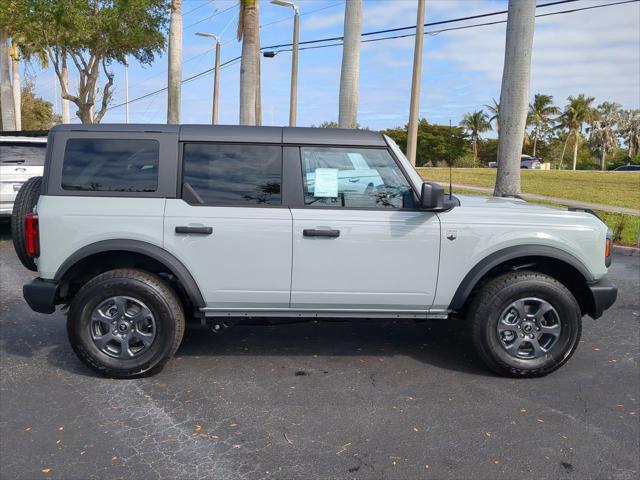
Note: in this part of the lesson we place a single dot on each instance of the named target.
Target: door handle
(196, 230)
(311, 232)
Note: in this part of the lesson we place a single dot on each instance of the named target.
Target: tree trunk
(175, 62)
(65, 79)
(474, 145)
(6, 92)
(249, 63)
(603, 159)
(514, 95)
(563, 150)
(535, 140)
(575, 151)
(350, 73)
(16, 84)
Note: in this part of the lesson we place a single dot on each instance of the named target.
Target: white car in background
(21, 158)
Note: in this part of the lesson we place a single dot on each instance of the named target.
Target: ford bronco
(138, 229)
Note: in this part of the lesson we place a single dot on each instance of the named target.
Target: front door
(359, 242)
(230, 228)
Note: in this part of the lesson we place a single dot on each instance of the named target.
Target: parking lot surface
(378, 399)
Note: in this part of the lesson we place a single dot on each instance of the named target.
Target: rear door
(359, 242)
(230, 228)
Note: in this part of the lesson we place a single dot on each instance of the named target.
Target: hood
(497, 202)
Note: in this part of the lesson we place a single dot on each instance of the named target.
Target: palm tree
(578, 112)
(540, 112)
(603, 134)
(629, 130)
(514, 95)
(494, 112)
(175, 62)
(475, 123)
(248, 32)
(6, 91)
(350, 73)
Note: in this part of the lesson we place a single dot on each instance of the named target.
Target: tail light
(607, 248)
(32, 236)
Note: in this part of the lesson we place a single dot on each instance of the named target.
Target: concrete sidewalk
(561, 201)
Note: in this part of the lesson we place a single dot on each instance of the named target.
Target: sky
(595, 52)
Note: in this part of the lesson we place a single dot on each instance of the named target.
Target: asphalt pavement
(370, 400)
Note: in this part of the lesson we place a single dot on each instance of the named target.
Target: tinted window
(21, 154)
(232, 174)
(354, 177)
(102, 165)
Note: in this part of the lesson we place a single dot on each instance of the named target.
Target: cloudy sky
(596, 52)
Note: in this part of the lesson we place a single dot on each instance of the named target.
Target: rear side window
(104, 165)
(216, 174)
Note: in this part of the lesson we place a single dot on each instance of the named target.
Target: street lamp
(214, 113)
(294, 60)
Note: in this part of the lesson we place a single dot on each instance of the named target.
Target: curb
(626, 251)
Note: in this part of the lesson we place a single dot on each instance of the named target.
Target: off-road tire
(155, 294)
(488, 305)
(25, 202)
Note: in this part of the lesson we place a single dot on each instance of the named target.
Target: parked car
(139, 229)
(628, 168)
(20, 159)
(526, 161)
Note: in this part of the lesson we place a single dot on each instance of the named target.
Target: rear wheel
(525, 324)
(125, 323)
(24, 203)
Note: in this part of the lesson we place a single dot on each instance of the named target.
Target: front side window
(217, 174)
(105, 165)
(353, 177)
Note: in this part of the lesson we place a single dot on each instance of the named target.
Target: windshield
(28, 155)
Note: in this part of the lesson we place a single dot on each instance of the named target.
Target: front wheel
(125, 323)
(525, 324)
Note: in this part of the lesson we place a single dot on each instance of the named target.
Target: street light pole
(412, 134)
(293, 100)
(126, 89)
(216, 78)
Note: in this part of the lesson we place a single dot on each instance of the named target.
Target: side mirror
(432, 196)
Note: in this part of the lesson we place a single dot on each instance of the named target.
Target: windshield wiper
(13, 161)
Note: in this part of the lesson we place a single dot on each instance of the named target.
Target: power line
(411, 27)
(433, 32)
(450, 29)
(214, 14)
(209, 50)
(204, 4)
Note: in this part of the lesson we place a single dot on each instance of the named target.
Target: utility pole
(414, 107)
(216, 78)
(126, 89)
(175, 63)
(293, 99)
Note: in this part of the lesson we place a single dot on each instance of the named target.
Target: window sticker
(326, 182)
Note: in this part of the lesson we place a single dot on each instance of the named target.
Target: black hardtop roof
(236, 133)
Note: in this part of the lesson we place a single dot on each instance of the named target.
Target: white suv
(140, 228)
(21, 158)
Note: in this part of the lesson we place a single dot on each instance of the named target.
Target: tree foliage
(540, 117)
(93, 34)
(475, 123)
(437, 144)
(37, 114)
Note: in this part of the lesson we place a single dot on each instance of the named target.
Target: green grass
(607, 188)
(625, 227)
